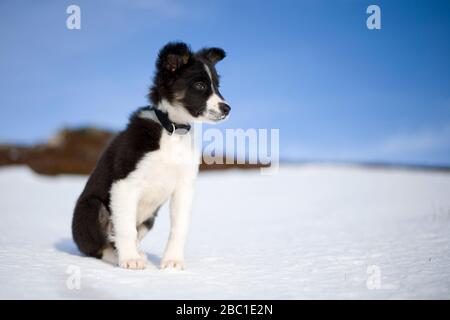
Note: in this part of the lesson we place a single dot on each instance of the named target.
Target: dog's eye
(201, 86)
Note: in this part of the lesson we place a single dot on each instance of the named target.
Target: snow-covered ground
(306, 232)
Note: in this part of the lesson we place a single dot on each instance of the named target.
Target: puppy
(152, 160)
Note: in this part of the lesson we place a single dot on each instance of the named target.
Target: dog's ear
(173, 56)
(213, 55)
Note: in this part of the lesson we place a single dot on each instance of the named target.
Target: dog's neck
(176, 114)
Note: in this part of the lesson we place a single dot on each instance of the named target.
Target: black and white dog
(152, 160)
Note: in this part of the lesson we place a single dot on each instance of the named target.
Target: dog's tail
(90, 226)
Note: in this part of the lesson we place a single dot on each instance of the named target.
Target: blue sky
(335, 89)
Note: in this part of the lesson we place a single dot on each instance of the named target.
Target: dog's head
(186, 84)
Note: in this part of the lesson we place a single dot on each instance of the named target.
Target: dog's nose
(224, 108)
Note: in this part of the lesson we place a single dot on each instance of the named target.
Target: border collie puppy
(152, 160)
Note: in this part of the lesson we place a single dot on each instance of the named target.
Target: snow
(308, 232)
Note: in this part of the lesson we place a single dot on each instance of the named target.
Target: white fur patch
(158, 175)
(148, 114)
(177, 113)
(212, 104)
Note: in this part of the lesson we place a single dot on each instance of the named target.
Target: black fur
(177, 72)
(150, 221)
(212, 55)
(118, 160)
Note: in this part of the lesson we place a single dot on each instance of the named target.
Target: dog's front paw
(172, 263)
(134, 264)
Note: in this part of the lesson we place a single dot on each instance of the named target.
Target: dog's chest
(159, 172)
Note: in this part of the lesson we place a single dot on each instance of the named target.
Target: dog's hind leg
(146, 226)
(109, 255)
(89, 226)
